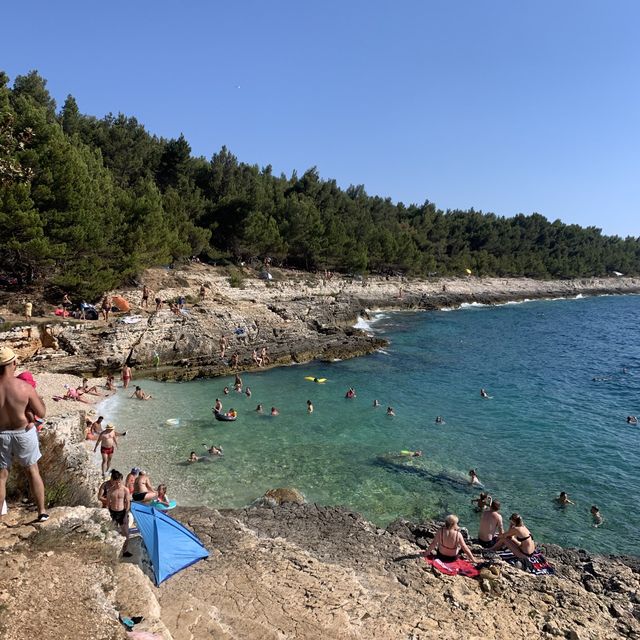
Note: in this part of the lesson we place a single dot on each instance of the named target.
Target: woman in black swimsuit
(517, 539)
(449, 542)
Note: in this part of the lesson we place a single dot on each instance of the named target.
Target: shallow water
(548, 426)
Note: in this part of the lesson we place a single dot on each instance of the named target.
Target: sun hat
(27, 376)
(109, 427)
(7, 356)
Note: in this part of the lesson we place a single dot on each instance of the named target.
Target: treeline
(87, 203)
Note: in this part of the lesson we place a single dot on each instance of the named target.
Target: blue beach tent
(170, 545)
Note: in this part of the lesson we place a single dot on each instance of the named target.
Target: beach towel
(537, 563)
(458, 567)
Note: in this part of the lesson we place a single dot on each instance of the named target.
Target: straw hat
(109, 427)
(7, 356)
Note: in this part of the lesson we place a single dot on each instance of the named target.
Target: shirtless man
(223, 345)
(18, 437)
(119, 502)
(126, 375)
(106, 307)
(143, 490)
(140, 394)
(95, 429)
(105, 487)
(309, 406)
(490, 525)
(108, 442)
(217, 407)
(145, 297)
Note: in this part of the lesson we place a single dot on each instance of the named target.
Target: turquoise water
(548, 426)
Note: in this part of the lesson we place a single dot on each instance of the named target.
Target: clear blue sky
(502, 106)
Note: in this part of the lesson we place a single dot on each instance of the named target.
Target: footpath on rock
(275, 571)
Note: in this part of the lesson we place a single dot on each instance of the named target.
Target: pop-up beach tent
(170, 545)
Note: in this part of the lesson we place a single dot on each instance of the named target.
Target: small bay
(563, 376)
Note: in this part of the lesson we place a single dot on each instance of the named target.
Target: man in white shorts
(18, 435)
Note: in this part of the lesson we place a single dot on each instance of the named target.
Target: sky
(507, 107)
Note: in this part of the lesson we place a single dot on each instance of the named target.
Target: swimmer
(440, 420)
(226, 391)
(259, 408)
(193, 457)
(274, 411)
(482, 502)
(390, 411)
(213, 450)
(217, 407)
(376, 403)
(248, 392)
(473, 477)
(309, 407)
(483, 393)
(351, 393)
(410, 454)
(563, 499)
(597, 516)
(632, 420)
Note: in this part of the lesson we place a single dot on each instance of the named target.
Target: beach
(284, 570)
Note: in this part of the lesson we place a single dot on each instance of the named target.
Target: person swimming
(483, 393)
(213, 450)
(274, 411)
(632, 420)
(226, 391)
(351, 393)
(309, 406)
(193, 457)
(482, 502)
(597, 516)
(473, 477)
(563, 499)
(440, 420)
(376, 403)
(259, 408)
(390, 411)
(247, 392)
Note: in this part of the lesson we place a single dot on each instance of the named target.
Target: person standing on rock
(106, 307)
(18, 437)
(126, 375)
(118, 503)
(145, 297)
(203, 293)
(223, 345)
(108, 442)
(28, 310)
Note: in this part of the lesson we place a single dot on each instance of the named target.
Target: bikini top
(519, 539)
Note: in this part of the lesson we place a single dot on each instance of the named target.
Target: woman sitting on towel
(517, 539)
(449, 542)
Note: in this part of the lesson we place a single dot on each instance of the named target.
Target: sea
(562, 376)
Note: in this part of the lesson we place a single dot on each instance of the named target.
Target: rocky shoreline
(296, 317)
(276, 570)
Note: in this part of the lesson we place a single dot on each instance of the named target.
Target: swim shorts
(107, 450)
(118, 516)
(139, 496)
(20, 443)
(486, 544)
